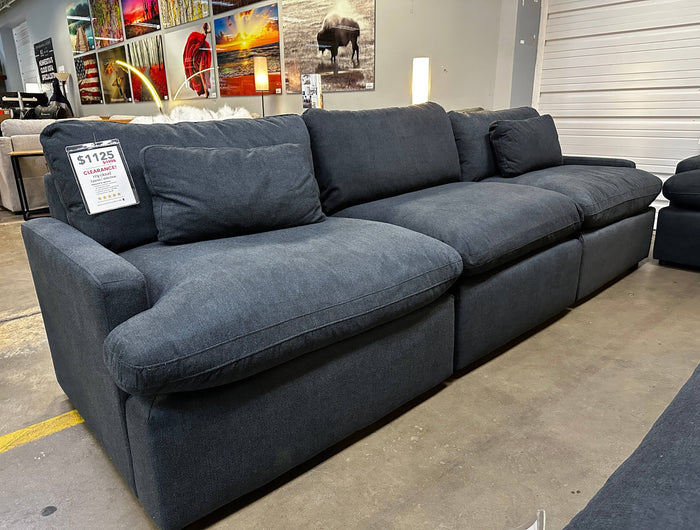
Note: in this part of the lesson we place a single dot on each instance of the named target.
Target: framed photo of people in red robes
(189, 56)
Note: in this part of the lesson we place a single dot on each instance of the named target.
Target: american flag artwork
(88, 79)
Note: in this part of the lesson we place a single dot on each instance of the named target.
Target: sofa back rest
(361, 156)
(13, 127)
(471, 133)
(130, 227)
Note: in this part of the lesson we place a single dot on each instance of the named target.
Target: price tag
(103, 176)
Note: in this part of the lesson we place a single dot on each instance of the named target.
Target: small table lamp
(420, 92)
(262, 80)
(62, 77)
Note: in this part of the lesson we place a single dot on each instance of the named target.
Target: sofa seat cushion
(683, 190)
(604, 194)
(225, 309)
(489, 224)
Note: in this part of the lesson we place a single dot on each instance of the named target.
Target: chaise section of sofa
(518, 244)
(208, 363)
(611, 194)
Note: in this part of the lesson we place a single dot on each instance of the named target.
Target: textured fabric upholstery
(688, 164)
(225, 309)
(658, 486)
(129, 227)
(678, 236)
(526, 145)
(362, 156)
(203, 193)
(471, 132)
(574, 160)
(683, 190)
(604, 194)
(489, 224)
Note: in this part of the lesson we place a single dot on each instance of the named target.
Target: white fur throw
(187, 113)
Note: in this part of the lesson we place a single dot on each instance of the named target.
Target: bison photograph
(333, 38)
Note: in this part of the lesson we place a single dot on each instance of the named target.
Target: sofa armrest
(84, 292)
(689, 164)
(572, 160)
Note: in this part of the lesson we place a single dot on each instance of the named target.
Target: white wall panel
(622, 78)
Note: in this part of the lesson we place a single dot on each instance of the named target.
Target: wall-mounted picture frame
(146, 55)
(82, 39)
(176, 12)
(190, 62)
(88, 78)
(106, 22)
(140, 17)
(116, 86)
(330, 38)
(239, 38)
(221, 6)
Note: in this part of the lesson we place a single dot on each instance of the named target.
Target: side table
(24, 203)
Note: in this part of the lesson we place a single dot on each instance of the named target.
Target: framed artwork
(176, 12)
(188, 54)
(220, 6)
(115, 79)
(146, 55)
(80, 26)
(106, 22)
(88, 79)
(241, 37)
(140, 17)
(330, 38)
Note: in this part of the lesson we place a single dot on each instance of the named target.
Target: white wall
(461, 37)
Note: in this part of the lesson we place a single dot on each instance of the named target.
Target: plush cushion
(683, 190)
(202, 193)
(604, 194)
(688, 164)
(488, 224)
(520, 146)
(471, 133)
(658, 486)
(129, 227)
(361, 156)
(225, 309)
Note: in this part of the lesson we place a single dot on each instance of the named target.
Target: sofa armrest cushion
(689, 164)
(204, 193)
(573, 160)
(683, 190)
(520, 146)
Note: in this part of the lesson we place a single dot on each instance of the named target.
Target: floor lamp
(420, 92)
(262, 80)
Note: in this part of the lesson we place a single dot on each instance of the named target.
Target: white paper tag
(103, 176)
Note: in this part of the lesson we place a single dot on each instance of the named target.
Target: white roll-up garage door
(622, 78)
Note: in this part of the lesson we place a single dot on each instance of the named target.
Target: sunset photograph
(239, 38)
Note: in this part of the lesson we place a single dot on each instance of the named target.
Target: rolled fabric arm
(689, 164)
(572, 160)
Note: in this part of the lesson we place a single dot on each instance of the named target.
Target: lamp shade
(62, 76)
(420, 92)
(262, 81)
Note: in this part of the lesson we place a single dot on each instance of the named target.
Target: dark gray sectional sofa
(287, 281)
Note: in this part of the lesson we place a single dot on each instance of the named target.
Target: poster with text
(146, 55)
(45, 60)
(80, 26)
(106, 22)
(176, 12)
(140, 17)
(188, 56)
(220, 6)
(241, 37)
(88, 79)
(333, 38)
(115, 79)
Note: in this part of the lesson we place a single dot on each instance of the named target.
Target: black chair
(678, 225)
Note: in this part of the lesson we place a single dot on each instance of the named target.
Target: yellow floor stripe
(39, 430)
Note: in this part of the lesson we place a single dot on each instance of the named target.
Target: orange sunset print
(239, 38)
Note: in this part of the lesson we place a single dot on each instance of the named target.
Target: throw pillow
(205, 193)
(520, 146)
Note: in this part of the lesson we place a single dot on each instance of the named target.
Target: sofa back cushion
(204, 193)
(520, 146)
(471, 132)
(129, 227)
(361, 156)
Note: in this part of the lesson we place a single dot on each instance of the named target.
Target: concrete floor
(541, 425)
